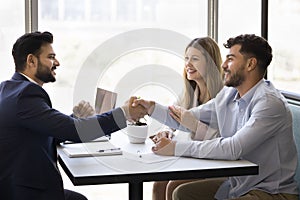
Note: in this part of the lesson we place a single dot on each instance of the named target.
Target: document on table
(100, 139)
(148, 157)
(91, 149)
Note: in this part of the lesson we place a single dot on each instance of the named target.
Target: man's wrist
(74, 116)
(125, 110)
(151, 108)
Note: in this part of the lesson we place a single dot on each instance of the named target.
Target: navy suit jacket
(29, 131)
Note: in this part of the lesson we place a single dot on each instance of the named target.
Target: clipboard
(90, 149)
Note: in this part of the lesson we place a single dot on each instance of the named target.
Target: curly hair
(253, 46)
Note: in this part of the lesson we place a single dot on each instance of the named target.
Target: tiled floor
(107, 191)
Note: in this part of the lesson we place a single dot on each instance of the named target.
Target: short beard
(44, 74)
(236, 79)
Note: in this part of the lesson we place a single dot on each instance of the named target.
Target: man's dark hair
(253, 46)
(29, 43)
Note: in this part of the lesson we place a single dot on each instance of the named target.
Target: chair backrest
(296, 129)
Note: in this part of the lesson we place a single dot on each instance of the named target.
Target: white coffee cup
(137, 133)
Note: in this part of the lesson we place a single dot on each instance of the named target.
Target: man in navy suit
(30, 128)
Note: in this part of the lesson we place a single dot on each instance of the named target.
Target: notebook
(100, 139)
(90, 149)
(105, 100)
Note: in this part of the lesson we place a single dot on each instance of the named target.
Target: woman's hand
(184, 117)
(176, 112)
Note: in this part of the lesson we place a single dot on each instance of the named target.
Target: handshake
(136, 108)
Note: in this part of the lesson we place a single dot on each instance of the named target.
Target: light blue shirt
(256, 127)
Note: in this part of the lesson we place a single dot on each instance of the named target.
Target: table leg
(136, 191)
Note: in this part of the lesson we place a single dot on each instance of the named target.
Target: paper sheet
(147, 157)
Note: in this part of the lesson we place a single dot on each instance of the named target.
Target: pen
(108, 150)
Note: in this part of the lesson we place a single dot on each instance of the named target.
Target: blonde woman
(203, 80)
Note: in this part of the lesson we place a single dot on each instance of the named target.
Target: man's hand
(161, 134)
(148, 105)
(133, 113)
(184, 117)
(83, 110)
(164, 146)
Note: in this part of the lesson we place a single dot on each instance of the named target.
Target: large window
(101, 43)
(12, 22)
(283, 35)
(284, 31)
(135, 47)
(81, 28)
(238, 17)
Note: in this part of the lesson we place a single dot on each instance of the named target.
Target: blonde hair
(213, 77)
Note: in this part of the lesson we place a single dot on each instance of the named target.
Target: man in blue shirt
(255, 124)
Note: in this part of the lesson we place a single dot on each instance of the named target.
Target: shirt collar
(248, 96)
(30, 79)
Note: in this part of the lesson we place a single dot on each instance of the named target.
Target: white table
(119, 169)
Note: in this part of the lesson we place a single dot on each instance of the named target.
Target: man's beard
(44, 73)
(236, 79)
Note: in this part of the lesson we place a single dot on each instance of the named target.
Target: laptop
(105, 100)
